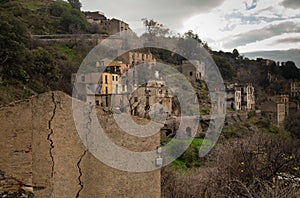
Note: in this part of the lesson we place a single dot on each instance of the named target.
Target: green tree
(235, 53)
(14, 40)
(59, 7)
(75, 4)
(290, 71)
(226, 69)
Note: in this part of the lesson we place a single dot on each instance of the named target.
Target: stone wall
(42, 150)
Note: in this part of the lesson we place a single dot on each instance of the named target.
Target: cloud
(288, 40)
(277, 55)
(294, 4)
(262, 34)
(252, 5)
(171, 13)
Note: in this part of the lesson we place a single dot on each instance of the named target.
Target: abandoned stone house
(194, 70)
(281, 99)
(294, 89)
(110, 26)
(273, 111)
(111, 87)
(135, 58)
(240, 97)
(101, 88)
(152, 99)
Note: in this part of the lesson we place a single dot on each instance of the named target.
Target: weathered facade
(154, 98)
(273, 111)
(135, 58)
(194, 70)
(110, 26)
(294, 89)
(240, 97)
(281, 99)
(43, 153)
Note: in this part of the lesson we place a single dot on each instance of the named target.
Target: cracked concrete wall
(41, 148)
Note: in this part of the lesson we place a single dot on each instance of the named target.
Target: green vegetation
(72, 20)
(190, 158)
(28, 66)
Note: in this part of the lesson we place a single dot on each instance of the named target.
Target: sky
(247, 25)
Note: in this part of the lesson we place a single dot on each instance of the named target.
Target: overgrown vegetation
(28, 66)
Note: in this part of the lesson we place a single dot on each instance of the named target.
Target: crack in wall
(84, 153)
(49, 138)
(80, 173)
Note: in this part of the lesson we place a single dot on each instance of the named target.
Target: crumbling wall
(41, 149)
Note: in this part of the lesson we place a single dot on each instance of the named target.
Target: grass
(189, 158)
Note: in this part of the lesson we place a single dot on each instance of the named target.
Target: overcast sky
(248, 25)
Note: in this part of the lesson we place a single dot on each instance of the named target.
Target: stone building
(281, 99)
(110, 26)
(154, 98)
(103, 89)
(273, 111)
(135, 58)
(294, 89)
(240, 97)
(95, 17)
(194, 70)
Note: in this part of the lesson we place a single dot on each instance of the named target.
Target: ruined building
(240, 97)
(101, 88)
(105, 25)
(153, 98)
(294, 89)
(194, 70)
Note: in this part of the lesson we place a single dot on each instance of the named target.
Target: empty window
(105, 79)
(106, 90)
(97, 102)
(113, 78)
(191, 73)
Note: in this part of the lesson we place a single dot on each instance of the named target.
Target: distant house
(240, 97)
(135, 58)
(194, 70)
(273, 111)
(294, 89)
(282, 99)
(105, 89)
(153, 97)
(110, 26)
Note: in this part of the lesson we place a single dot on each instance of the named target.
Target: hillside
(28, 66)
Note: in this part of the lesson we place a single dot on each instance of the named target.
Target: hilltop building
(109, 26)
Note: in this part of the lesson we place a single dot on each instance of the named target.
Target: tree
(59, 7)
(75, 4)
(235, 53)
(14, 40)
(154, 28)
(290, 71)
